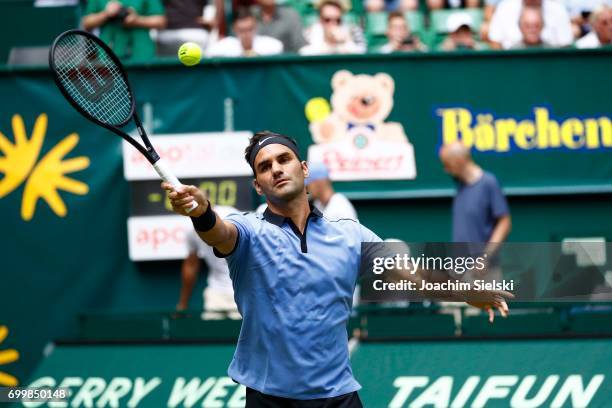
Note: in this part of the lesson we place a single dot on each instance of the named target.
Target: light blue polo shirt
(295, 295)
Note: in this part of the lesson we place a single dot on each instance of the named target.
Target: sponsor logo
(352, 135)
(127, 392)
(43, 178)
(507, 390)
(486, 132)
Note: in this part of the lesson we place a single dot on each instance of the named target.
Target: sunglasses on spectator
(337, 20)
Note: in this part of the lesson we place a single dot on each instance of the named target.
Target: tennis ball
(317, 109)
(190, 54)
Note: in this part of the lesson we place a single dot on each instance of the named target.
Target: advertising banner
(518, 373)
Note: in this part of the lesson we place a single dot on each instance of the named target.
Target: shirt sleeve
(499, 205)
(564, 24)
(368, 236)
(237, 259)
(372, 247)
(496, 27)
(245, 231)
(297, 40)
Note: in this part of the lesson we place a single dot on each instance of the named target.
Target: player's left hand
(490, 300)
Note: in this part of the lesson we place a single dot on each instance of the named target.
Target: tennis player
(294, 273)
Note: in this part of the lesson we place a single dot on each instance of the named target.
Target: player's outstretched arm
(488, 300)
(222, 235)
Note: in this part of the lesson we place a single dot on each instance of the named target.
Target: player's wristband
(206, 221)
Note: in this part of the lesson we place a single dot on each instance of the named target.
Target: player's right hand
(181, 199)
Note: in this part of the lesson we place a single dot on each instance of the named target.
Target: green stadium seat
(440, 17)
(522, 322)
(438, 27)
(376, 23)
(398, 326)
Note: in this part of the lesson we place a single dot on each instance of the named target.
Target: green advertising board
(495, 373)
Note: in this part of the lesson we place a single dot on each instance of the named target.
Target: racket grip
(164, 172)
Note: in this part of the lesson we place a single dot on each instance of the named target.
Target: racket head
(91, 78)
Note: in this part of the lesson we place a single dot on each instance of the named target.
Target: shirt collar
(278, 220)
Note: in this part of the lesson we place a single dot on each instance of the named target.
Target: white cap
(457, 20)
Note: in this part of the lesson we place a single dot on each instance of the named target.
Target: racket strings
(92, 79)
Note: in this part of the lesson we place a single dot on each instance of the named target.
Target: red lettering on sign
(160, 236)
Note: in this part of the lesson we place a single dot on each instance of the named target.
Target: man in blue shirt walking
(480, 210)
(294, 273)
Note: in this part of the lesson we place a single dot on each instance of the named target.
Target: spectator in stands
(461, 35)
(580, 12)
(376, 6)
(219, 293)
(399, 35)
(531, 24)
(333, 205)
(480, 210)
(246, 42)
(601, 35)
(452, 4)
(504, 28)
(280, 22)
(126, 29)
(186, 22)
(330, 36)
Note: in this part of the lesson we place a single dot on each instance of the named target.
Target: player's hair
(254, 140)
(241, 13)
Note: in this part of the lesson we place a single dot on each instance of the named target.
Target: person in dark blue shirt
(293, 272)
(480, 210)
(481, 217)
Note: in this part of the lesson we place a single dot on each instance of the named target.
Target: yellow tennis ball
(317, 109)
(190, 54)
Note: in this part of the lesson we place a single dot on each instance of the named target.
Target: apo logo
(43, 178)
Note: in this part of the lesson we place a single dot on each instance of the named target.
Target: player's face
(278, 173)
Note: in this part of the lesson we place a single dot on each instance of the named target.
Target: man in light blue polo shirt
(294, 273)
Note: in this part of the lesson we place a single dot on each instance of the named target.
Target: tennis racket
(95, 83)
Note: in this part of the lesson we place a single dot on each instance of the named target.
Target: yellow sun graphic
(7, 357)
(44, 178)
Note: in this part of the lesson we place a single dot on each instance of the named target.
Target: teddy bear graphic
(359, 106)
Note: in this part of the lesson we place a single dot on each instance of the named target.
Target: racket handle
(169, 177)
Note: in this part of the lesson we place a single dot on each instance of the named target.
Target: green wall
(534, 218)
